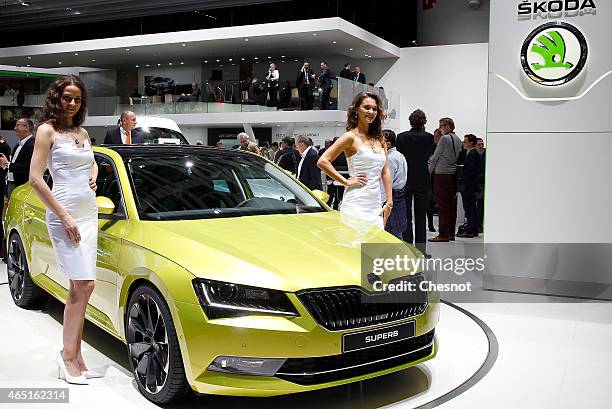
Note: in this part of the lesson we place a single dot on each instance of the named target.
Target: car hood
(285, 252)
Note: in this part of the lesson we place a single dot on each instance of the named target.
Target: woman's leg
(74, 316)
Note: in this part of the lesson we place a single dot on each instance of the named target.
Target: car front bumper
(314, 354)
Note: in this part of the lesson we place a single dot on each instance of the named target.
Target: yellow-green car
(224, 275)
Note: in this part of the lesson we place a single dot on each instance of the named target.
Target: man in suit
(287, 157)
(19, 166)
(326, 85)
(308, 172)
(124, 134)
(305, 83)
(346, 72)
(416, 145)
(359, 76)
(472, 166)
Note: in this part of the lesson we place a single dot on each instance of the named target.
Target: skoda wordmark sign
(554, 53)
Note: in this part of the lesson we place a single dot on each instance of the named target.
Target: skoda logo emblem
(554, 53)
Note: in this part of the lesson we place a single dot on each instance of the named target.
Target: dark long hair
(375, 129)
(54, 113)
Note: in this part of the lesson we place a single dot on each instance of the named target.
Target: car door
(110, 230)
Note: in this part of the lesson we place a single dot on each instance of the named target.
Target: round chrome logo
(554, 53)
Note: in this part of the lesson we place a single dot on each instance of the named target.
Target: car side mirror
(105, 205)
(321, 195)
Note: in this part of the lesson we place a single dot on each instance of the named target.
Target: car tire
(153, 348)
(25, 293)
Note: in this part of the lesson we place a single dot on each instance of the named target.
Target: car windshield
(154, 135)
(202, 186)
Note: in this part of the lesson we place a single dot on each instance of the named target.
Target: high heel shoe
(89, 374)
(63, 373)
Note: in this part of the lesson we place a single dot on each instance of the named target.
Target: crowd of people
(269, 92)
(427, 172)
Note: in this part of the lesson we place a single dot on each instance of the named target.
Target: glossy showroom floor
(517, 352)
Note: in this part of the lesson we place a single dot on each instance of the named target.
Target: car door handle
(28, 216)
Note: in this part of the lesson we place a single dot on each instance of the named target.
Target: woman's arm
(94, 167)
(388, 185)
(42, 145)
(331, 153)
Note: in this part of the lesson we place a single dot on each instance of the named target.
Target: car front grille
(312, 371)
(344, 308)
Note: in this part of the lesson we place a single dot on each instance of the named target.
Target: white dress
(70, 168)
(363, 203)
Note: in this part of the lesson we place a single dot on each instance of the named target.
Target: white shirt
(273, 76)
(22, 142)
(302, 161)
(124, 134)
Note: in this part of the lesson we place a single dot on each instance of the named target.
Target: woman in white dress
(366, 156)
(63, 147)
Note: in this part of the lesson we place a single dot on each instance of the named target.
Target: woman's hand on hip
(359, 180)
(71, 229)
(386, 212)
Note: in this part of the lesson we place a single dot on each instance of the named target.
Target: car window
(205, 186)
(108, 183)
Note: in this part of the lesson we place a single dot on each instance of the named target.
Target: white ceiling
(294, 40)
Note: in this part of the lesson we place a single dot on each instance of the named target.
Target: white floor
(551, 355)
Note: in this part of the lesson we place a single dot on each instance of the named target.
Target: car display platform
(32, 338)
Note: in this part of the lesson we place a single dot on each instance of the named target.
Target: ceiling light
(24, 3)
(334, 42)
(218, 60)
(350, 49)
(158, 64)
(283, 61)
(27, 65)
(256, 58)
(127, 49)
(148, 65)
(137, 66)
(29, 58)
(93, 60)
(205, 61)
(295, 60)
(184, 45)
(182, 63)
(169, 63)
(242, 59)
(314, 34)
(233, 63)
(230, 60)
(220, 65)
(282, 56)
(269, 58)
(365, 55)
(76, 53)
(246, 39)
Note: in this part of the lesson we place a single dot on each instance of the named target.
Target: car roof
(134, 151)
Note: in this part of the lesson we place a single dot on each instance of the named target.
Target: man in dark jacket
(19, 165)
(287, 157)
(308, 172)
(305, 84)
(326, 85)
(124, 134)
(416, 145)
(346, 72)
(471, 171)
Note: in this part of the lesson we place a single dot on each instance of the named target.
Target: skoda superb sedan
(224, 275)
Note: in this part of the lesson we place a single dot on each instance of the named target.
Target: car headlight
(221, 300)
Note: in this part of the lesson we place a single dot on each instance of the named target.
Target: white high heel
(89, 374)
(63, 373)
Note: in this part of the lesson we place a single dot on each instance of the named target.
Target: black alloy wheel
(24, 292)
(153, 348)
